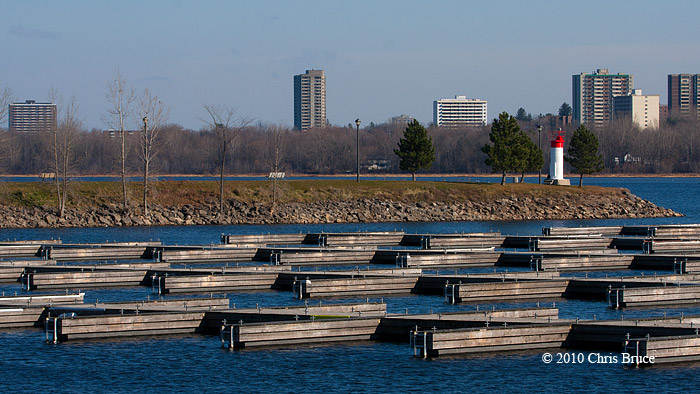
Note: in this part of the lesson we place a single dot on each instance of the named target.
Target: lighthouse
(556, 162)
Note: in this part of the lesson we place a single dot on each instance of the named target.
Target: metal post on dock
(51, 328)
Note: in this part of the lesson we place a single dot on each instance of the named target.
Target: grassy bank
(173, 193)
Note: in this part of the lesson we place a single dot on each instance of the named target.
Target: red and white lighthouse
(556, 161)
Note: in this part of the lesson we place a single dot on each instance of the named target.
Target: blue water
(197, 364)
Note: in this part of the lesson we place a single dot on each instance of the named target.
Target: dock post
(226, 335)
(631, 346)
(402, 260)
(51, 328)
(680, 266)
(419, 343)
(533, 244)
(299, 288)
(615, 297)
(275, 258)
(27, 280)
(451, 293)
(157, 284)
(425, 242)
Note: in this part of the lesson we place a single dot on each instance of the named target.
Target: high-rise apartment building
(592, 95)
(683, 94)
(642, 110)
(459, 111)
(31, 116)
(310, 100)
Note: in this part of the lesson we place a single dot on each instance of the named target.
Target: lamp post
(357, 122)
(539, 145)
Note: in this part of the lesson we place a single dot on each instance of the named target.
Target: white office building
(642, 110)
(459, 111)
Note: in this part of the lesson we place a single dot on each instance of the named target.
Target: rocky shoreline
(615, 205)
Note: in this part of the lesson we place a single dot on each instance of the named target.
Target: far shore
(378, 175)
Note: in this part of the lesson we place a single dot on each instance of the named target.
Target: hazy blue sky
(381, 58)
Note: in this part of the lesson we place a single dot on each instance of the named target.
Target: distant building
(592, 95)
(663, 111)
(116, 133)
(401, 120)
(310, 100)
(642, 110)
(555, 122)
(31, 117)
(459, 111)
(683, 94)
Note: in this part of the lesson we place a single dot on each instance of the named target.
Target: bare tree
(6, 98)
(153, 115)
(121, 98)
(64, 136)
(226, 127)
(277, 144)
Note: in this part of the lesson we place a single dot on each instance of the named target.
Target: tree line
(228, 143)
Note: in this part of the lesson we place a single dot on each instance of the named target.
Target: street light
(539, 145)
(357, 122)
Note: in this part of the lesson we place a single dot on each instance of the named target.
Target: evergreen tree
(528, 156)
(509, 151)
(522, 114)
(416, 149)
(583, 153)
(565, 109)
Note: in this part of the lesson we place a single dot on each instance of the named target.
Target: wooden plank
(501, 291)
(309, 331)
(83, 327)
(492, 339)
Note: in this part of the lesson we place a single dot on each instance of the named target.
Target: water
(196, 363)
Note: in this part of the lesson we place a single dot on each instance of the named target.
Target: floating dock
(320, 265)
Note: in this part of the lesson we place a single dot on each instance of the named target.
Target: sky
(382, 58)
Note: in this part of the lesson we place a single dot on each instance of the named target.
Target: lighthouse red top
(559, 141)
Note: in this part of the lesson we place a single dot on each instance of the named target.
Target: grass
(170, 193)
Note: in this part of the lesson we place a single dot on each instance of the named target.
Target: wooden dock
(452, 241)
(395, 327)
(301, 256)
(354, 287)
(433, 258)
(29, 311)
(67, 328)
(292, 262)
(669, 295)
(606, 231)
(262, 239)
(238, 336)
(612, 334)
(671, 245)
(583, 242)
(658, 350)
(216, 282)
(11, 271)
(83, 278)
(678, 263)
(376, 238)
(433, 343)
(99, 252)
(205, 255)
(589, 262)
(505, 291)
